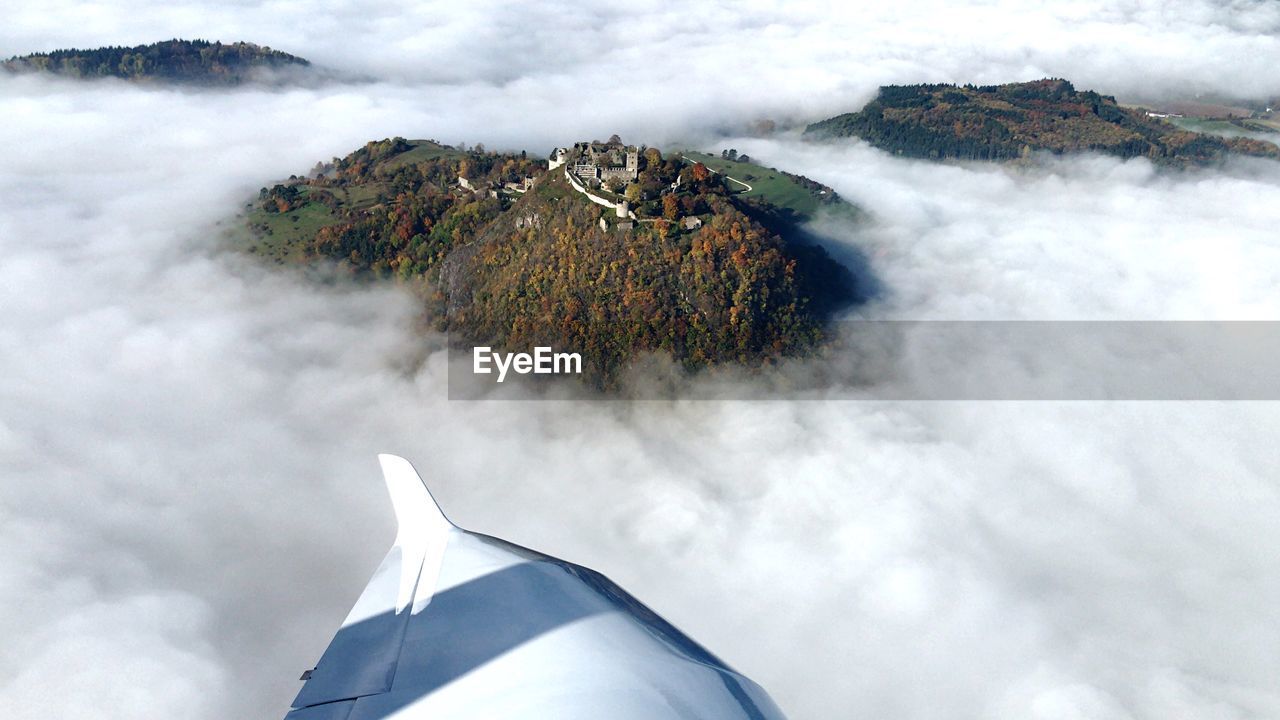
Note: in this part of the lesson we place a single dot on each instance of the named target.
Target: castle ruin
(596, 164)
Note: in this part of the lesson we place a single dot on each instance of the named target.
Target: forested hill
(515, 257)
(197, 62)
(998, 122)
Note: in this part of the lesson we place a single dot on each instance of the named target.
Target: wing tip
(410, 496)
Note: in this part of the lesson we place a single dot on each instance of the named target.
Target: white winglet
(422, 534)
(413, 503)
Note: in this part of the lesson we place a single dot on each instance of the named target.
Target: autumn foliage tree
(670, 207)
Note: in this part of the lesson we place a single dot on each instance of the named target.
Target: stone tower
(633, 163)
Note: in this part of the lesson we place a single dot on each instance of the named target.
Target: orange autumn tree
(670, 207)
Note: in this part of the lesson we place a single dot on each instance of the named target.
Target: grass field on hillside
(766, 183)
(285, 231)
(422, 150)
(1255, 129)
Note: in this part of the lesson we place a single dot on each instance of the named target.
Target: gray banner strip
(948, 360)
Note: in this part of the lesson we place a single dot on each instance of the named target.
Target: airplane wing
(460, 625)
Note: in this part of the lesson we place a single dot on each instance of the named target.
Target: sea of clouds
(189, 501)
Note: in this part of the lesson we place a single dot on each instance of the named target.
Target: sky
(189, 499)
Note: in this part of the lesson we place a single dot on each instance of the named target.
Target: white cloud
(190, 502)
(109, 660)
(700, 65)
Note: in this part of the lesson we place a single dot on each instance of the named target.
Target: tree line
(1001, 122)
(198, 61)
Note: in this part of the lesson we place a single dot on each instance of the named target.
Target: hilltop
(197, 62)
(1000, 122)
(604, 249)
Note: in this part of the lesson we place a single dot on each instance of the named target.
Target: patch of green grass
(359, 197)
(770, 185)
(284, 235)
(422, 151)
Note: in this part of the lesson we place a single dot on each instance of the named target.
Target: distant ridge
(1002, 122)
(193, 62)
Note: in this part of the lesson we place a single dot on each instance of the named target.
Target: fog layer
(189, 501)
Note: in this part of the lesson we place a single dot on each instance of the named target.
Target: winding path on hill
(730, 177)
